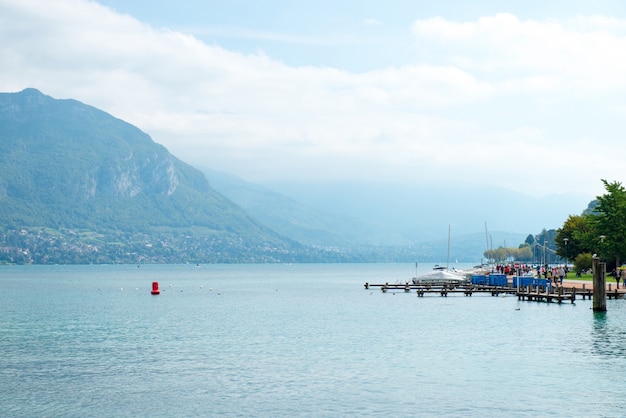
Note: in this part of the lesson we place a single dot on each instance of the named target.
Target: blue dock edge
(501, 280)
(533, 281)
(495, 279)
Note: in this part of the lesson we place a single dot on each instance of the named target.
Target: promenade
(588, 284)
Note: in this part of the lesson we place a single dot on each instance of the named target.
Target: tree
(577, 235)
(506, 254)
(547, 237)
(499, 255)
(530, 240)
(611, 222)
(523, 253)
(582, 262)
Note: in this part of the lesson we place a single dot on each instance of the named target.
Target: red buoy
(155, 288)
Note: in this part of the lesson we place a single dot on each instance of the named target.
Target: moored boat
(441, 276)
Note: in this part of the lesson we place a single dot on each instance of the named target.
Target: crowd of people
(555, 273)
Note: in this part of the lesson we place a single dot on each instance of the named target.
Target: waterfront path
(587, 284)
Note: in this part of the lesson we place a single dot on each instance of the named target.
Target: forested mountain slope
(66, 165)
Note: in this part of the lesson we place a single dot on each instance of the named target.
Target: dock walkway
(568, 292)
(443, 289)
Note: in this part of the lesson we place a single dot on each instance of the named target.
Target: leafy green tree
(523, 253)
(582, 262)
(504, 254)
(530, 240)
(547, 238)
(498, 255)
(577, 235)
(611, 222)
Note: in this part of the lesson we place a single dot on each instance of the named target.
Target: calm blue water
(294, 340)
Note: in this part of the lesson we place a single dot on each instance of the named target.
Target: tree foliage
(530, 240)
(582, 262)
(506, 254)
(600, 230)
(611, 221)
(577, 235)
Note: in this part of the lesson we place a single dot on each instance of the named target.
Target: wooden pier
(557, 294)
(540, 295)
(561, 293)
(442, 289)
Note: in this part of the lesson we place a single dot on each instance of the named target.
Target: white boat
(441, 276)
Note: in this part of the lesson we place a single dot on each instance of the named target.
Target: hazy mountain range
(387, 216)
(74, 179)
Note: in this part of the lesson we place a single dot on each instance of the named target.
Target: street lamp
(565, 240)
(545, 259)
(601, 245)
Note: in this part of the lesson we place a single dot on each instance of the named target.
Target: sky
(524, 95)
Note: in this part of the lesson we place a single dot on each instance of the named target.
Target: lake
(302, 340)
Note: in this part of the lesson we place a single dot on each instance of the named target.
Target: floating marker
(155, 288)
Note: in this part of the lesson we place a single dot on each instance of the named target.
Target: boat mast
(487, 241)
(448, 260)
(486, 236)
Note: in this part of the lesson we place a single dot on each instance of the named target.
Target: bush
(583, 262)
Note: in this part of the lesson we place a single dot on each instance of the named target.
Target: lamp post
(565, 240)
(601, 245)
(545, 258)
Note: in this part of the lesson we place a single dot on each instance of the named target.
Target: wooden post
(599, 285)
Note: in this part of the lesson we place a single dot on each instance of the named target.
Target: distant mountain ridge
(421, 212)
(297, 221)
(69, 165)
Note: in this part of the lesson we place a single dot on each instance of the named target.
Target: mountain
(78, 185)
(421, 213)
(293, 219)
(307, 225)
(69, 166)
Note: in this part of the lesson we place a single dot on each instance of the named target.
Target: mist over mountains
(78, 185)
(423, 212)
(399, 216)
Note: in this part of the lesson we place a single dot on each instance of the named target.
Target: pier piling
(599, 285)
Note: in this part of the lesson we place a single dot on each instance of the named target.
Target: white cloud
(497, 95)
(372, 22)
(586, 53)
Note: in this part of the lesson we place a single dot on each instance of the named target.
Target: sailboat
(440, 274)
